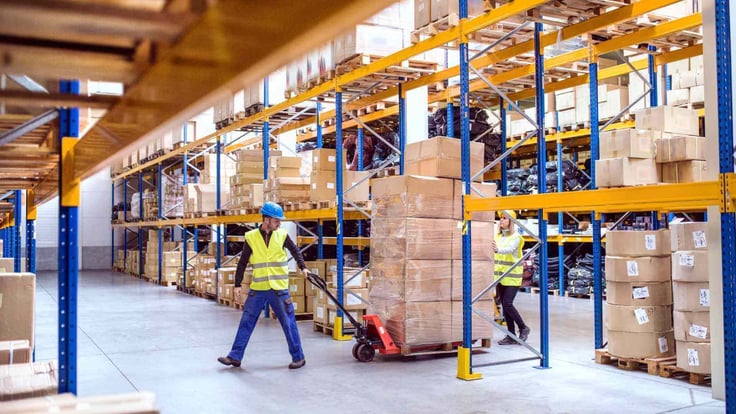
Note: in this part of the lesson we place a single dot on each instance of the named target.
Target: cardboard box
(691, 296)
(684, 172)
(300, 304)
(625, 172)
(638, 318)
(441, 157)
(630, 143)
(356, 186)
(690, 266)
(415, 323)
(440, 9)
(412, 196)
(482, 276)
(638, 269)
(35, 379)
(694, 357)
(324, 159)
(225, 291)
(638, 243)
(641, 344)
(351, 300)
(411, 280)
(15, 352)
(639, 294)
(359, 281)
(422, 13)
(692, 326)
(480, 328)
(332, 313)
(482, 234)
(413, 238)
(320, 311)
(309, 303)
(317, 266)
(281, 162)
(296, 286)
(487, 190)
(689, 236)
(668, 119)
(226, 275)
(17, 311)
(680, 148)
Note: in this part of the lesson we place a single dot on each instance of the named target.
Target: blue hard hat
(274, 210)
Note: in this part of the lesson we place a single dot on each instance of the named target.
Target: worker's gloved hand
(305, 273)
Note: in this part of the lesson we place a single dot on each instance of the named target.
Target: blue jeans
(283, 308)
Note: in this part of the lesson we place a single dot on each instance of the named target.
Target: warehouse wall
(94, 224)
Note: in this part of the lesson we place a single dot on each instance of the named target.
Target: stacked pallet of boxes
(639, 294)
(170, 261)
(246, 185)
(285, 183)
(204, 274)
(680, 149)
(119, 260)
(416, 254)
(627, 158)
(173, 195)
(150, 205)
(226, 283)
(356, 186)
(202, 197)
(131, 262)
(688, 80)
(691, 293)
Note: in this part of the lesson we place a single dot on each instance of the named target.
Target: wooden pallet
(188, 290)
(236, 305)
(226, 302)
(329, 329)
(671, 370)
(204, 295)
(653, 365)
(553, 292)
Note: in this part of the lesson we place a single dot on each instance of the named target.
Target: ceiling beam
(28, 126)
(27, 98)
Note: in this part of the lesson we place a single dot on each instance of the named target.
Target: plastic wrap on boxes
(412, 238)
(481, 328)
(415, 323)
(481, 235)
(28, 380)
(410, 280)
(486, 190)
(412, 196)
(482, 276)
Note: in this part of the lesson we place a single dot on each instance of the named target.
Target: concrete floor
(134, 335)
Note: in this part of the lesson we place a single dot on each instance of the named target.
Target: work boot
(228, 361)
(297, 364)
(507, 340)
(524, 333)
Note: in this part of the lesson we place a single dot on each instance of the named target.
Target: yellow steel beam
(564, 238)
(662, 197)
(348, 241)
(567, 135)
(619, 15)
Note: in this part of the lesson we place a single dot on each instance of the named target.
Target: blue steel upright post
(542, 184)
(359, 148)
(653, 101)
(218, 201)
(450, 120)
(184, 231)
(159, 216)
(320, 229)
(125, 219)
(504, 163)
(594, 154)
(16, 230)
(724, 73)
(464, 353)
(560, 225)
(69, 200)
(31, 214)
(140, 229)
(112, 228)
(402, 127)
(337, 333)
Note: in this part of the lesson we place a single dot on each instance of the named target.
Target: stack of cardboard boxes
(119, 260)
(131, 262)
(246, 185)
(626, 158)
(322, 178)
(691, 293)
(170, 262)
(285, 183)
(688, 80)
(226, 283)
(680, 149)
(639, 294)
(204, 274)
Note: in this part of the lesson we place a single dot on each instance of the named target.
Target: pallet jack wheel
(365, 352)
(355, 350)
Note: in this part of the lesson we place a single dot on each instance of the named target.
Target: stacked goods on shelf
(253, 96)
(33, 379)
(173, 195)
(301, 293)
(131, 263)
(688, 82)
(355, 293)
(427, 11)
(440, 157)
(246, 186)
(204, 274)
(285, 183)
(150, 205)
(119, 260)
(245, 286)
(226, 283)
(680, 149)
(627, 158)
(137, 199)
(639, 294)
(170, 261)
(691, 292)
(18, 307)
(208, 174)
(356, 185)
(318, 305)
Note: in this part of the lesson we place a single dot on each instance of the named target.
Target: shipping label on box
(638, 269)
(626, 243)
(639, 318)
(692, 326)
(690, 266)
(691, 296)
(639, 293)
(689, 236)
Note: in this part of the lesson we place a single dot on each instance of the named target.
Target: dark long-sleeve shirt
(247, 251)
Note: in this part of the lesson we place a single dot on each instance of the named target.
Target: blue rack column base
(68, 268)
(31, 214)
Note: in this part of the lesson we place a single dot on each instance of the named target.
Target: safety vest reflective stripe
(270, 277)
(270, 264)
(505, 263)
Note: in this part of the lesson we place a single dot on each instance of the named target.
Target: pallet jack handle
(320, 284)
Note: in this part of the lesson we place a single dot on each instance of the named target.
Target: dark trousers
(281, 305)
(507, 294)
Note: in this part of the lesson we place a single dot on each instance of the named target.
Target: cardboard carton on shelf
(638, 269)
(689, 236)
(684, 172)
(639, 293)
(692, 326)
(626, 172)
(638, 243)
(690, 266)
(680, 148)
(412, 196)
(668, 119)
(694, 357)
(691, 296)
(630, 143)
(440, 157)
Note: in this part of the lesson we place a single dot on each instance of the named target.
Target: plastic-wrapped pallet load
(691, 294)
(639, 294)
(34, 379)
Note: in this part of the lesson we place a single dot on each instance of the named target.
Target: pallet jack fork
(370, 336)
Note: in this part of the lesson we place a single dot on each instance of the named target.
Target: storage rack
(445, 37)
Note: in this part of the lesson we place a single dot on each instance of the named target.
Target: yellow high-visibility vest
(504, 261)
(270, 264)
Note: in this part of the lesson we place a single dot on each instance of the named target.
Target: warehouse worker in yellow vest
(264, 249)
(507, 250)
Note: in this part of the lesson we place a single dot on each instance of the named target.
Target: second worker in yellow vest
(507, 249)
(264, 250)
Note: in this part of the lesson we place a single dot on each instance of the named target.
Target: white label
(663, 348)
(705, 297)
(632, 268)
(650, 241)
(640, 292)
(315, 159)
(331, 158)
(641, 316)
(330, 186)
(698, 331)
(320, 312)
(699, 239)
(292, 288)
(692, 357)
(687, 260)
(353, 301)
(296, 306)
(314, 186)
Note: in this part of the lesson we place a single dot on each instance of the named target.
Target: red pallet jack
(370, 336)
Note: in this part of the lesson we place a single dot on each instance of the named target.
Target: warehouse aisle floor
(134, 335)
